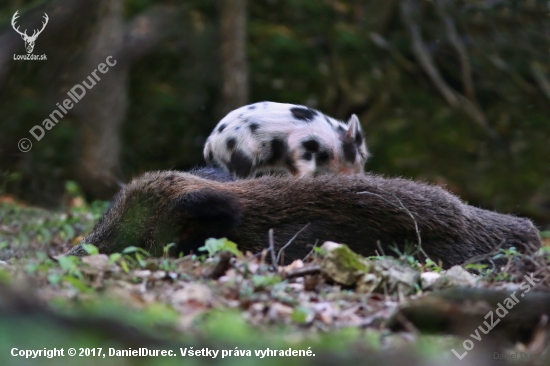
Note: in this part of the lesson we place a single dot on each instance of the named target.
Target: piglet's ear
(354, 128)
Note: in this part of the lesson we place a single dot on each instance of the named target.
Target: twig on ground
(262, 255)
(482, 257)
(54, 259)
(300, 272)
(379, 245)
(290, 242)
(311, 251)
(221, 267)
(272, 248)
(406, 323)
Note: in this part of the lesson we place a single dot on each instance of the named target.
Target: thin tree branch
(454, 39)
(379, 41)
(499, 63)
(452, 97)
(542, 82)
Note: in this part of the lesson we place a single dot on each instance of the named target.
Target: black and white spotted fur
(269, 136)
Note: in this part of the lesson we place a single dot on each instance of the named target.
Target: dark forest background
(452, 92)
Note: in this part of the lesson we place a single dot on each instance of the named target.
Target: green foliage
(166, 249)
(213, 246)
(262, 282)
(302, 314)
(72, 188)
(509, 253)
(7, 178)
(74, 282)
(350, 260)
(407, 254)
(479, 267)
(319, 251)
(36, 228)
(131, 262)
(5, 276)
(90, 249)
(432, 266)
(228, 325)
(69, 264)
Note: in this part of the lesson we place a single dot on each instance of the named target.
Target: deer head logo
(29, 40)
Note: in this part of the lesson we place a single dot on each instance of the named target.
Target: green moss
(350, 260)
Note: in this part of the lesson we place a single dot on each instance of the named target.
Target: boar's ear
(206, 213)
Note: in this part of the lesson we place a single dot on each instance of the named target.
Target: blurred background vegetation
(453, 92)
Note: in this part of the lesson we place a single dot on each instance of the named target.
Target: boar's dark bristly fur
(359, 210)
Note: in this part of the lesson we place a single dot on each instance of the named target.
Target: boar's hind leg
(204, 214)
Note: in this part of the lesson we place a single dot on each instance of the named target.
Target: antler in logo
(29, 40)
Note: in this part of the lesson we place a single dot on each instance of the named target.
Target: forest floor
(221, 306)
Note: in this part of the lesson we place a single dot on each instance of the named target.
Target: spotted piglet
(270, 136)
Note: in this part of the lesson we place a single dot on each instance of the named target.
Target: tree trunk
(233, 54)
(103, 109)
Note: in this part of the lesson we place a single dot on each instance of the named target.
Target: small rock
(185, 264)
(278, 311)
(389, 275)
(428, 279)
(142, 273)
(194, 292)
(297, 264)
(326, 312)
(329, 246)
(342, 265)
(455, 276)
(369, 283)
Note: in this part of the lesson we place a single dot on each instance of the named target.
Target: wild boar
(358, 209)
